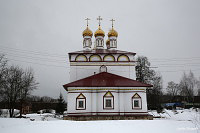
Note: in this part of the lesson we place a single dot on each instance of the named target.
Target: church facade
(102, 81)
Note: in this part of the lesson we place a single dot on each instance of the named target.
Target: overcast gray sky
(40, 33)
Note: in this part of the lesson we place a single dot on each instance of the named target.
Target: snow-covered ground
(182, 121)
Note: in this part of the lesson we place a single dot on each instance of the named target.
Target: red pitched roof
(106, 79)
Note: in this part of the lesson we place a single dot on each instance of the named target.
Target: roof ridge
(105, 79)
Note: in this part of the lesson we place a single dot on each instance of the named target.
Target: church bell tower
(99, 36)
(111, 43)
(87, 37)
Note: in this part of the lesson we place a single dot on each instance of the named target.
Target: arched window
(111, 43)
(108, 101)
(123, 58)
(109, 57)
(90, 43)
(87, 43)
(103, 68)
(81, 58)
(136, 101)
(95, 57)
(81, 102)
(83, 43)
(115, 43)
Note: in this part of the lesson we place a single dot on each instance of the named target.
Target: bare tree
(17, 84)
(3, 64)
(172, 89)
(28, 85)
(187, 86)
(198, 87)
(11, 87)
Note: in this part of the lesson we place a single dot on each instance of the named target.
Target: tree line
(189, 85)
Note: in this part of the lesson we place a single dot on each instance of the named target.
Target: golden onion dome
(112, 32)
(99, 32)
(87, 32)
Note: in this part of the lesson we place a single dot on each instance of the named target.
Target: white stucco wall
(94, 100)
(82, 67)
(79, 72)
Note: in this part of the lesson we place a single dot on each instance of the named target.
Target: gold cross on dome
(99, 18)
(87, 19)
(112, 21)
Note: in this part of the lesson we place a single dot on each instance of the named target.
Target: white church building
(102, 81)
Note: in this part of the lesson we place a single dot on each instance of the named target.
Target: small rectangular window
(80, 104)
(108, 103)
(136, 103)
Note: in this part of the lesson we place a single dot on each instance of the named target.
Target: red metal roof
(102, 51)
(105, 79)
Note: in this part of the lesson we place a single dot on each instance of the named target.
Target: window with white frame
(81, 102)
(108, 101)
(136, 101)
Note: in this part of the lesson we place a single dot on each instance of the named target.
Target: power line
(36, 58)
(65, 56)
(36, 63)
(58, 61)
(33, 52)
(23, 54)
(181, 70)
(174, 59)
(176, 65)
(57, 65)
(62, 61)
(88, 68)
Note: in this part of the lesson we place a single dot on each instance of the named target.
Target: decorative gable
(81, 96)
(136, 96)
(108, 94)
